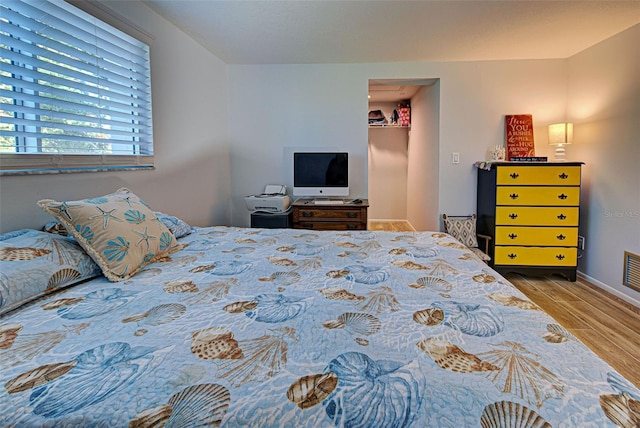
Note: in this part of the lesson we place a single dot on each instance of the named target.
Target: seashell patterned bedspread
(293, 328)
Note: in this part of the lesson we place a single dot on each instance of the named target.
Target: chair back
(463, 228)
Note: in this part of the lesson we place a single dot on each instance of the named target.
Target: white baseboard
(610, 289)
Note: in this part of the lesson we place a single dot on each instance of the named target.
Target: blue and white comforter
(293, 328)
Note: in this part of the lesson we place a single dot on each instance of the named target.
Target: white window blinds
(75, 93)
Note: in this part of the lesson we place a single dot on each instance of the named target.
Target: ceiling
(395, 90)
(365, 31)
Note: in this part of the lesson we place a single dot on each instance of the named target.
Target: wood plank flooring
(606, 324)
(390, 225)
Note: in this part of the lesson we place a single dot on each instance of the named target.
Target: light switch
(455, 157)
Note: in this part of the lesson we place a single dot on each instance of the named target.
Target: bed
(295, 328)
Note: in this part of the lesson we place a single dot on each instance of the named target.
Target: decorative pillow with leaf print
(119, 231)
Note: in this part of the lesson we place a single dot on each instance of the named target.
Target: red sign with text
(519, 135)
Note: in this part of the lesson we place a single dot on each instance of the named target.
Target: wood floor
(605, 323)
(390, 225)
(608, 325)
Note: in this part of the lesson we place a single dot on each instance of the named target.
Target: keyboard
(327, 202)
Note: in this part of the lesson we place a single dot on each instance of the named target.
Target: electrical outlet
(455, 157)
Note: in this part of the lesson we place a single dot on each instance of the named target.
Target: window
(75, 92)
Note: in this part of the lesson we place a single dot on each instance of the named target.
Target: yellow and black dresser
(532, 212)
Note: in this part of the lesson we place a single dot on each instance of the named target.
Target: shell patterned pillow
(119, 231)
(34, 263)
(177, 226)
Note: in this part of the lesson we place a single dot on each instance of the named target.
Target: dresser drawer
(549, 175)
(541, 236)
(537, 216)
(334, 214)
(546, 196)
(330, 225)
(536, 256)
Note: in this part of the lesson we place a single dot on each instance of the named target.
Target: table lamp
(560, 134)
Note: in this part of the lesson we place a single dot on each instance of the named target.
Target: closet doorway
(403, 157)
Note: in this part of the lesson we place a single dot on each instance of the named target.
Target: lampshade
(560, 134)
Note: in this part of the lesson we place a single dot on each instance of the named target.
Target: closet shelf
(386, 125)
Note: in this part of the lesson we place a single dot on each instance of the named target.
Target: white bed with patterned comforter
(294, 328)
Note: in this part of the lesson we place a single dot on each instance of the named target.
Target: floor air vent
(631, 275)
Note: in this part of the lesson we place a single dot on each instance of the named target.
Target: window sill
(34, 164)
(42, 171)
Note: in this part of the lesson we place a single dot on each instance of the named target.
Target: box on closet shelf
(404, 116)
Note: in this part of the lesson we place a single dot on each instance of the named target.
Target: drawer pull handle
(563, 176)
(512, 256)
(561, 237)
(307, 225)
(562, 217)
(560, 256)
(352, 226)
(513, 216)
(513, 196)
(514, 175)
(352, 215)
(307, 214)
(512, 236)
(562, 196)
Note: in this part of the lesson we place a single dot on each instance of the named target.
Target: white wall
(272, 107)
(388, 161)
(423, 167)
(604, 104)
(192, 176)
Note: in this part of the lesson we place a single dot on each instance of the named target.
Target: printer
(274, 200)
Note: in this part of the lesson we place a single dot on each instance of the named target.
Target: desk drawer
(545, 196)
(541, 236)
(335, 214)
(549, 175)
(537, 216)
(330, 225)
(536, 256)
